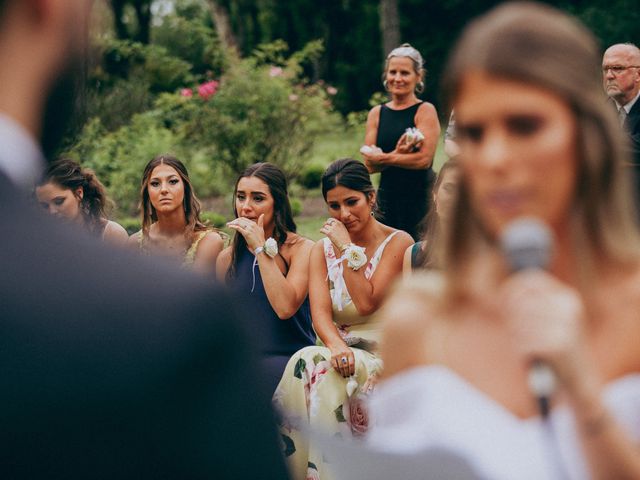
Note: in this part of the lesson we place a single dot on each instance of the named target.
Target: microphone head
(527, 243)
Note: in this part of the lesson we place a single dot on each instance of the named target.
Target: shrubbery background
(184, 95)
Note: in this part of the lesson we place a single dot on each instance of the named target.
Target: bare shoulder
(115, 234)
(297, 242)
(412, 314)
(134, 239)
(426, 109)
(400, 241)
(412, 297)
(225, 256)
(374, 115)
(212, 239)
(222, 263)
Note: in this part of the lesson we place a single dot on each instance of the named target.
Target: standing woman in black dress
(405, 162)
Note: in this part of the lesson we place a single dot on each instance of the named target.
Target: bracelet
(270, 247)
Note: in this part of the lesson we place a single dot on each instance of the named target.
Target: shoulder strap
(381, 247)
(194, 246)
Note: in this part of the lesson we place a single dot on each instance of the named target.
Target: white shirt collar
(20, 156)
(629, 105)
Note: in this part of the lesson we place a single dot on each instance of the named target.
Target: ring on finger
(344, 360)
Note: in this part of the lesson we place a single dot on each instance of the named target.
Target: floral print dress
(312, 395)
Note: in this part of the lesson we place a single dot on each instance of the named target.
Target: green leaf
(289, 446)
(299, 368)
(319, 358)
(339, 415)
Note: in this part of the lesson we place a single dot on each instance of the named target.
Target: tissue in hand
(370, 150)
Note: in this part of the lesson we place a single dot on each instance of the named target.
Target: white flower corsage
(413, 135)
(270, 247)
(355, 256)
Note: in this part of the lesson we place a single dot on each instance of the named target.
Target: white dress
(433, 407)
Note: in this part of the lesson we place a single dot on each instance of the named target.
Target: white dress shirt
(629, 105)
(20, 156)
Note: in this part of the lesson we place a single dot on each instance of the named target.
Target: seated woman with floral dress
(350, 270)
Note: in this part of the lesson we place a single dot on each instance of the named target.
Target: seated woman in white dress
(350, 270)
(537, 139)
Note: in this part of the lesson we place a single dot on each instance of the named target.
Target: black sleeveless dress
(404, 195)
(278, 339)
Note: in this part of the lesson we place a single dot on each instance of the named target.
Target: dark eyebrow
(170, 176)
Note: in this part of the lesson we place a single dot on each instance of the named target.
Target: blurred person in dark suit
(110, 366)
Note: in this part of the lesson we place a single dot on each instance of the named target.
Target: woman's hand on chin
(253, 232)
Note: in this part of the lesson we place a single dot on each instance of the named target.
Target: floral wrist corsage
(270, 247)
(355, 256)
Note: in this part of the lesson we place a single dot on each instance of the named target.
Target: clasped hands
(374, 157)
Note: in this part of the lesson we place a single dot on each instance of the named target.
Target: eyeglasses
(617, 69)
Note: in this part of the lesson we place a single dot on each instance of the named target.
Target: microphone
(527, 243)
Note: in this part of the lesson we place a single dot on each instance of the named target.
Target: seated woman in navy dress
(268, 263)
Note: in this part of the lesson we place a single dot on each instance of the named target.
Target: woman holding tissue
(267, 264)
(323, 387)
(400, 141)
(537, 140)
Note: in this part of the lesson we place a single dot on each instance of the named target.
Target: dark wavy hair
(94, 204)
(348, 173)
(191, 204)
(430, 256)
(276, 180)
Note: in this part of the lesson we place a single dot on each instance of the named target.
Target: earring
(420, 87)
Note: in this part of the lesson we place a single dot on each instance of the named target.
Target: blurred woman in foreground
(536, 140)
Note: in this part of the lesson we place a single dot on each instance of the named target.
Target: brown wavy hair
(191, 204)
(95, 203)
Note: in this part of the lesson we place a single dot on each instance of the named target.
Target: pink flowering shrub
(208, 89)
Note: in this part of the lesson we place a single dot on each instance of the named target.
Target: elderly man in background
(621, 80)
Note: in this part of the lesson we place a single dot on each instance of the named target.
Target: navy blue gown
(278, 339)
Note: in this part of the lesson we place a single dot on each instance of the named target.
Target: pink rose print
(358, 415)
